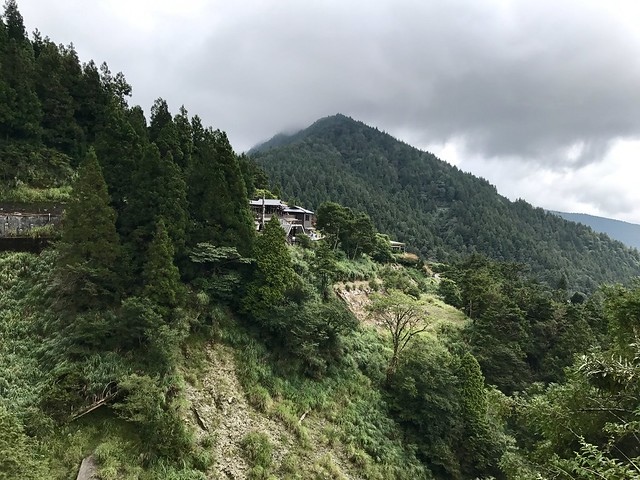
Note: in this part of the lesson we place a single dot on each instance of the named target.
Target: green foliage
(89, 253)
(623, 311)
(519, 333)
(442, 402)
(403, 317)
(324, 267)
(588, 427)
(25, 167)
(162, 285)
(450, 292)
(274, 273)
(352, 232)
(361, 269)
(158, 191)
(400, 279)
(286, 306)
(218, 202)
(17, 459)
(153, 407)
(259, 454)
(217, 270)
(24, 194)
(344, 400)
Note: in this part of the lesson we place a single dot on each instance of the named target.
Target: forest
(159, 336)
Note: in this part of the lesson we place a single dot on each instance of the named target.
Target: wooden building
(294, 219)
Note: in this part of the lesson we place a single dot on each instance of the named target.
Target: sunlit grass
(26, 194)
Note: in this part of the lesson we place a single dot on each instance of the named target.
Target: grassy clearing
(25, 194)
(441, 314)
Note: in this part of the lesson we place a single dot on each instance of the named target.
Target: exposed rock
(219, 403)
(88, 469)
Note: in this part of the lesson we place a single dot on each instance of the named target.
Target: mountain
(434, 207)
(625, 232)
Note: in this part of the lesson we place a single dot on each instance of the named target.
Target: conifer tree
(18, 64)
(119, 148)
(14, 21)
(59, 128)
(162, 285)
(89, 252)
(274, 273)
(184, 139)
(218, 200)
(473, 406)
(157, 190)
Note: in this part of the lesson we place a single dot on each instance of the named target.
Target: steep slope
(433, 206)
(625, 232)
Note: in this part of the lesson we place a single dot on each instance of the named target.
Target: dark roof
(296, 209)
(270, 202)
(276, 202)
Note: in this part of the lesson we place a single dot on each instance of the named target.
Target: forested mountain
(434, 207)
(162, 337)
(625, 232)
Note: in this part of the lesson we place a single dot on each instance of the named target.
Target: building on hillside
(398, 247)
(294, 220)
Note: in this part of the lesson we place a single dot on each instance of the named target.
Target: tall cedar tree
(22, 120)
(274, 272)
(161, 278)
(479, 450)
(119, 147)
(89, 252)
(218, 200)
(158, 191)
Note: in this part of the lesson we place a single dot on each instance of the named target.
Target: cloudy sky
(540, 97)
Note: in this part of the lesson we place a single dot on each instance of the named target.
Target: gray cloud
(530, 79)
(547, 84)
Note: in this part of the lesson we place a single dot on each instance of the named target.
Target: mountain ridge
(625, 232)
(437, 209)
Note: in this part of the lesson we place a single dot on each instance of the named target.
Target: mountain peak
(434, 207)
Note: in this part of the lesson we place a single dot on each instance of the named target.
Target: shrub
(258, 452)
(152, 407)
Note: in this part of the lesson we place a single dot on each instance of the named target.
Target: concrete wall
(20, 224)
(19, 220)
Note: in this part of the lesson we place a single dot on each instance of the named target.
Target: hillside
(162, 337)
(434, 207)
(625, 232)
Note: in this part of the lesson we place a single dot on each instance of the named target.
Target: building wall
(20, 224)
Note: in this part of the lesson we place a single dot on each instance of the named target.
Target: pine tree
(59, 128)
(481, 448)
(89, 251)
(14, 21)
(17, 73)
(184, 139)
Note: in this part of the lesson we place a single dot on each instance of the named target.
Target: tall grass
(349, 404)
(25, 194)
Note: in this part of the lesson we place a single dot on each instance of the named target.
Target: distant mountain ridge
(625, 232)
(433, 206)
